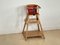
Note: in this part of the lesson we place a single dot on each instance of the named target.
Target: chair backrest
(32, 9)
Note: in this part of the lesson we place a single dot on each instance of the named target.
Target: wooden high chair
(33, 10)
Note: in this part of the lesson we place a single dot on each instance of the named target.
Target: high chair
(32, 10)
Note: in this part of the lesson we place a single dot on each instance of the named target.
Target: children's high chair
(32, 10)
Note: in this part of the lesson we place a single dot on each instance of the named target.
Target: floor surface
(51, 38)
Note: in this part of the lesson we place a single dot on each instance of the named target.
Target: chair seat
(33, 14)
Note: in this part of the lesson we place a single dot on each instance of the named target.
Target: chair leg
(43, 37)
(38, 27)
(24, 27)
(26, 32)
(41, 27)
(42, 31)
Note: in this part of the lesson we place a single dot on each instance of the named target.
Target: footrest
(33, 21)
(32, 33)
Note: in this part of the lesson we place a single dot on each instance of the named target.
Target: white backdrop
(12, 14)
